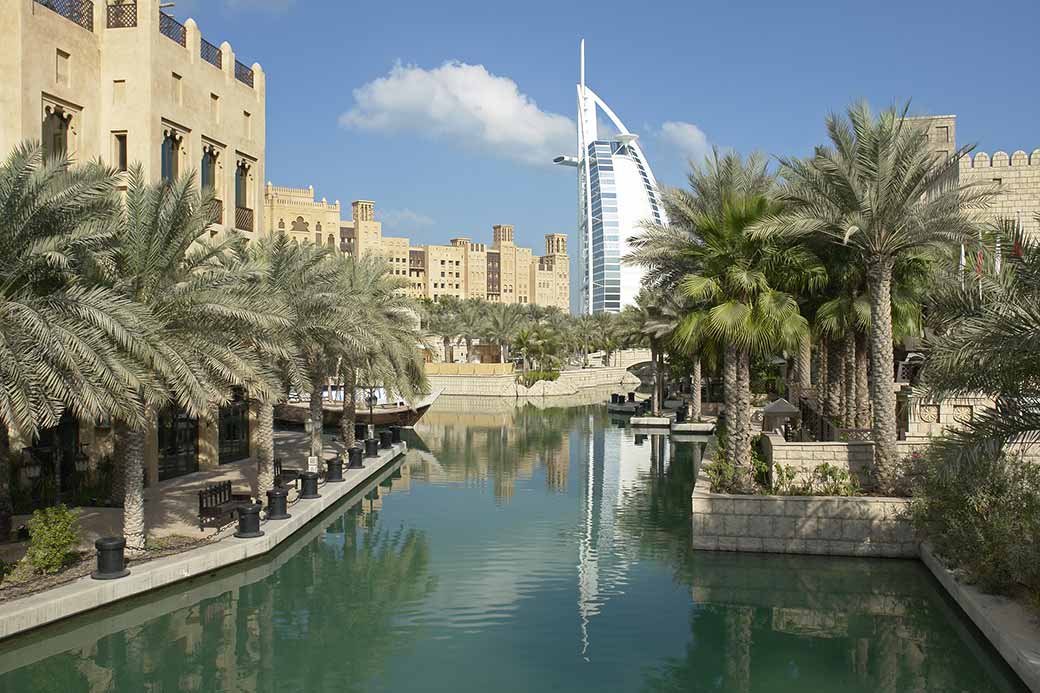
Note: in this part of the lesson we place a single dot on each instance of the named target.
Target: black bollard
(110, 561)
(335, 471)
(371, 447)
(385, 438)
(309, 485)
(395, 434)
(277, 503)
(631, 397)
(355, 454)
(680, 414)
(640, 438)
(360, 431)
(249, 521)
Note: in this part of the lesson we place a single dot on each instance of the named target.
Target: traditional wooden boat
(379, 415)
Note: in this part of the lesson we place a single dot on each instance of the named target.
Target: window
(176, 88)
(242, 186)
(998, 181)
(171, 150)
(214, 107)
(61, 68)
(119, 155)
(118, 92)
(55, 131)
(209, 170)
(247, 124)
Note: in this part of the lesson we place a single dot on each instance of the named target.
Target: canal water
(522, 549)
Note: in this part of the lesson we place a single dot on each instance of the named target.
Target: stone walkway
(171, 507)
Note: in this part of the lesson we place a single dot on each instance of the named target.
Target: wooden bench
(217, 504)
(283, 476)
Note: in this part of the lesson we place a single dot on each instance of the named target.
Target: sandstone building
(127, 82)
(501, 272)
(1017, 176)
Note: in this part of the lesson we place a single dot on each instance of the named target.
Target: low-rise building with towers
(499, 272)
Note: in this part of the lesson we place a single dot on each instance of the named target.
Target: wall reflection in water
(518, 548)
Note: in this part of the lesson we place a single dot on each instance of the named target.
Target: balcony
(243, 219)
(244, 74)
(172, 29)
(122, 15)
(78, 11)
(211, 54)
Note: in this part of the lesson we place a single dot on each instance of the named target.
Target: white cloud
(687, 139)
(402, 219)
(464, 104)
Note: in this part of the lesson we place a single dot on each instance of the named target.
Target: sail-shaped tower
(617, 191)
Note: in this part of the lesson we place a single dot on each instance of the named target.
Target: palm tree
(706, 253)
(386, 351)
(985, 339)
(504, 320)
(472, 316)
(442, 320)
(64, 342)
(645, 323)
(879, 189)
(208, 315)
(302, 280)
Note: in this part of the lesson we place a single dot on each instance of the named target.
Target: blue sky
(446, 113)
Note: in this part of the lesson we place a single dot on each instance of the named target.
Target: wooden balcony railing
(122, 15)
(244, 74)
(172, 29)
(79, 11)
(243, 219)
(211, 54)
(218, 214)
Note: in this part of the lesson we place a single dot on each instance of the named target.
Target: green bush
(979, 506)
(53, 533)
(531, 377)
(824, 480)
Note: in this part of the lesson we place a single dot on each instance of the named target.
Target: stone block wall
(821, 525)
(926, 418)
(856, 457)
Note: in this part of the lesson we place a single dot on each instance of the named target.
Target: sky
(447, 114)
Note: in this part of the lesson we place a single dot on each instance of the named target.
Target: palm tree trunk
(6, 507)
(264, 447)
(882, 366)
(862, 394)
(832, 408)
(132, 444)
(695, 389)
(316, 419)
(655, 405)
(349, 415)
(802, 368)
(742, 453)
(447, 350)
(850, 381)
(822, 375)
(729, 399)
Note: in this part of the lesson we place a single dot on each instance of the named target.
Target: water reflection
(519, 548)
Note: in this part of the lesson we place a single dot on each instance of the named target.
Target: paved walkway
(171, 507)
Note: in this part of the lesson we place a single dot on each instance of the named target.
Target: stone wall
(822, 525)
(569, 383)
(855, 457)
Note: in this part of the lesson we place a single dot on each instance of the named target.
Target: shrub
(531, 377)
(980, 507)
(824, 480)
(53, 533)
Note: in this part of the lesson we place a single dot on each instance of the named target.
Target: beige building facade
(1015, 176)
(500, 273)
(126, 82)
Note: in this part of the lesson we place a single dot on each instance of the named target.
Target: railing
(243, 219)
(172, 29)
(244, 74)
(79, 11)
(218, 205)
(122, 16)
(211, 54)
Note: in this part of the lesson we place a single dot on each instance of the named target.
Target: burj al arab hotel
(617, 191)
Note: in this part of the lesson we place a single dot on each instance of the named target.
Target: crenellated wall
(1018, 178)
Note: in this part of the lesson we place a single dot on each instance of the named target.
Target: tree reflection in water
(324, 621)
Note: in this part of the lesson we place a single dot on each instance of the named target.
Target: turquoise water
(522, 550)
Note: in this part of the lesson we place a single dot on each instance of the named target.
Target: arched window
(56, 131)
(171, 150)
(331, 241)
(208, 170)
(317, 226)
(281, 224)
